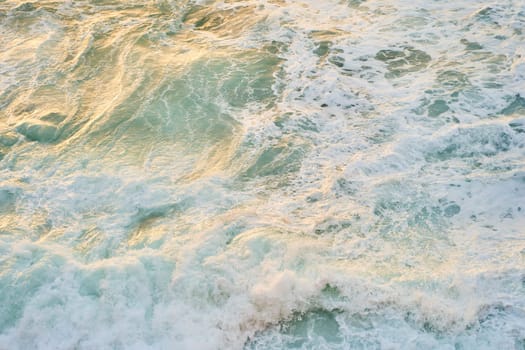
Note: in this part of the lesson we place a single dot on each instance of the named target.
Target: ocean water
(262, 174)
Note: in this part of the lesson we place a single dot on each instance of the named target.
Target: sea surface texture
(262, 174)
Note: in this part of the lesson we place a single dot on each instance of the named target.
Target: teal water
(262, 174)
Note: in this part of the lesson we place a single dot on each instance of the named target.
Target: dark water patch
(518, 125)
(54, 118)
(402, 61)
(275, 47)
(50, 128)
(437, 108)
(323, 41)
(414, 328)
(488, 14)
(282, 120)
(403, 213)
(320, 322)
(425, 324)
(251, 80)
(337, 61)
(383, 133)
(402, 216)
(289, 123)
(516, 106)
(492, 85)
(210, 21)
(389, 55)
(25, 7)
(473, 142)
(314, 197)
(332, 292)
(8, 139)
(7, 199)
(322, 48)
(36, 130)
(413, 22)
(356, 3)
(223, 22)
(451, 210)
(492, 315)
(307, 124)
(343, 187)
(232, 231)
(192, 13)
(146, 215)
(302, 330)
(143, 224)
(452, 79)
(471, 45)
(275, 161)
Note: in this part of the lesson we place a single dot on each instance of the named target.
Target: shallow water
(262, 174)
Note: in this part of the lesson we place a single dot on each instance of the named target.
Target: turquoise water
(262, 174)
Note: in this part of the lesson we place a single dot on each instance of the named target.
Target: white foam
(353, 198)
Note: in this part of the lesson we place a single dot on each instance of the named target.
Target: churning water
(262, 174)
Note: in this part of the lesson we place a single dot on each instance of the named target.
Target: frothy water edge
(262, 174)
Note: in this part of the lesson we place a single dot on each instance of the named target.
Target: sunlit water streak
(262, 174)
